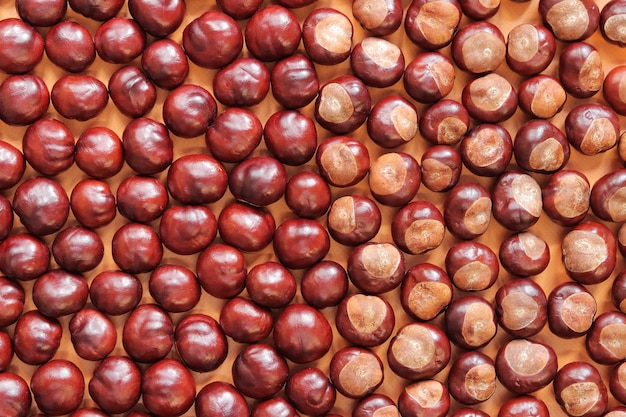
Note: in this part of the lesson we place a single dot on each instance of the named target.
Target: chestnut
(571, 310)
(490, 98)
(189, 110)
(141, 198)
(394, 178)
(294, 81)
(541, 147)
(245, 321)
(12, 164)
(425, 397)
(392, 121)
(541, 96)
(530, 48)
(580, 69)
(97, 10)
(376, 267)
(234, 134)
(13, 298)
(197, 179)
(327, 36)
(429, 77)
(200, 342)
(93, 203)
(380, 18)
(310, 391)
(6, 217)
(353, 219)
(611, 15)
(243, 83)
(592, 128)
(272, 33)
(148, 148)
(444, 123)
(80, 97)
(221, 270)
(165, 63)
(478, 47)
(470, 322)
(59, 293)
(239, 9)
(48, 146)
(467, 210)
(376, 404)
(605, 196)
(42, 205)
(167, 388)
(524, 405)
(524, 254)
(618, 291)
(300, 243)
(477, 10)
(258, 180)
(41, 12)
(566, 197)
(17, 398)
(212, 40)
(308, 195)
(603, 341)
(342, 161)
(174, 287)
(325, 284)
(136, 248)
(156, 18)
(525, 366)
(270, 284)
(616, 381)
(148, 325)
(431, 24)
(115, 292)
(418, 227)
(23, 99)
(580, 391)
(377, 62)
(220, 399)
(58, 387)
(187, 229)
(22, 46)
(440, 168)
(99, 152)
(70, 46)
(472, 378)
(24, 257)
(517, 202)
(612, 88)
(131, 91)
(77, 249)
(418, 351)
(93, 334)
(487, 149)
(426, 291)
(291, 137)
(119, 40)
(356, 372)
(365, 320)
(343, 104)
(588, 252)
(36, 338)
(276, 406)
(472, 266)
(301, 333)
(570, 21)
(259, 371)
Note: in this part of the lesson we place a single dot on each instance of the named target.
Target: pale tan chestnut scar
(591, 74)
(478, 325)
(547, 155)
(473, 276)
(580, 397)
(340, 164)
(578, 311)
(361, 374)
(613, 339)
(404, 120)
(483, 52)
(335, 104)
(487, 148)
(414, 347)
(526, 358)
(490, 4)
(381, 260)
(383, 52)
(519, 310)
(572, 198)
(548, 98)
(334, 33)
(388, 411)
(583, 251)
(615, 28)
(527, 193)
(478, 216)
(533, 246)
(427, 393)
(480, 382)
(569, 19)
(366, 313)
(427, 299)
(617, 205)
(424, 235)
(490, 92)
(388, 174)
(437, 21)
(342, 215)
(600, 136)
(373, 12)
(523, 43)
(451, 130)
(439, 174)
(443, 75)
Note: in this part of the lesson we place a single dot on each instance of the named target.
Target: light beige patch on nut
(404, 120)
(599, 137)
(381, 260)
(615, 28)
(532, 245)
(572, 197)
(583, 251)
(437, 21)
(489, 4)
(383, 52)
(489, 93)
(547, 155)
(486, 148)
(366, 313)
(450, 131)
(580, 397)
(334, 33)
(426, 393)
(478, 326)
(525, 357)
(591, 74)
(473, 276)
(527, 193)
(387, 174)
(568, 19)
(483, 52)
(617, 205)
(478, 216)
(613, 339)
(548, 99)
(387, 411)
(523, 42)
(439, 174)
(342, 215)
(339, 163)
(414, 347)
(443, 75)
(480, 381)
(361, 374)
(371, 13)
(424, 235)
(335, 104)
(578, 311)
(428, 299)
(519, 310)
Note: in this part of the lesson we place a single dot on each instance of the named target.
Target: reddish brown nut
(291, 137)
(42, 205)
(356, 372)
(24, 257)
(310, 391)
(212, 40)
(472, 266)
(148, 148)
(13, 297)
(17, 397)
(418, 351)
(530, 48)
(426, 397)
(131, 91)
(200, 343)
(77, 249)
(165, 63)
(119, 40)
(80, 97)
(156, 18)
(431, 24)
(174, 287)
(239, 9)
(618, 291)
(470, 321)
(613, 89)
(235, 133)
(376, 267)
(48, 146)
(243, 83)
(187, 229)
(246, 227)
(136, 248)
(189, 110)
(59, 293)
(467, 210)
(480, 10)
(524, 405)
(100, 11)
(115, 292)
(245, 321)
(524, 254)
(220, 399)
(478, 47)
(541, 147)
(377, 62)
(617, 381)
(294, 81)
(325, 284)
(392, 121)
(365, 320)
(115, 385)
(394, 178)
(517, 201)
(41, 12)
(327, 36)
(36, 338)
(566, 197)
(259, 371)
(308, 195)
(525, 366)
(93, 203)
(606, 196)
(342, 161)
(272, 33)
(23, 99)
(444, 123)
(592, 128)
(167, 388)
(58, 387)
(22, 46)
(589, 252)
(570, 20)
(521, 307)
(258, 180)
(418, 227)
(302, 334)
(221, 270)
(93, 334)
(99, 152)
(374, 405)
(148, 325)
(571, 310)
(353, 219)
(603, 341)
(490, 98)
(70, 46)
(342, 105)
(426, 291)
(271, 285)
(487, 149)
(611, 16)
(276, 406)
(141, 198)
(197, 179)
(470, 412)
(472, 378)
(429, 77)
(580, 69)
(580, 391)
(12, 164)
(380, 17)
(300, 243)
(440, 168)
(542, 96)
(6, 217)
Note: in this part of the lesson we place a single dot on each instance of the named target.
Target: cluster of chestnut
(250, 217)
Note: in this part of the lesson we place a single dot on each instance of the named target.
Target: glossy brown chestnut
(530, 48)
(174, 287)
(470, 412)
(36, 338)
(376, 404)
(524, 254)
(243, 83)
(380, 17)
(365, 320)
(70, 46)
(235, 133)
(571, 310)
(472, 378)
(13, 298)
(148, 325)
(325, 284)
(6, 217)
(24, 257)
(131, 91)
(418, 227)
(272, 33)
(300, 243)
(490, 98)
(271, 285)
(48, 146)
(294, 81)
(167, 388)
(115, 385)
(58, 387)
(592, 128)
(431, 24)
(479, 10)
(42, 205)
(197, 179)
(220, 399)
(93, 203)
(589, 252)
(200, 342)
(467, 210)
(426, 397)
(617, 381)
(308, 195)
(377, 62)
(165, 63)
(541, 96)
(613, 89)
(258, 180)
(470, 322)
(59, 293)
(342, 104)
(418, 351)
(603, 341)
(301, 333)
(276, 406)
(92, 334)
(97, 10)
(342, 161)
(17, 398)
(80, 97)
(566, 197)
(310, 391)
(245, 321)
(440, 168)
(487, 149)
(568, 20)
(580, 391)
(376, 267)
(444, 123)
(291, 137)
(327, 36)
(99, 152)
(524, 366)
(77, 249)
(541, 147)
(394, 178)
(517, 202)
(258, 223)
(189, 110)
(157, 18)
(478, 47)
(22, 46)
(611, 15)
(141, 198)
(429, 77)
(136, 248)
(472, 266)
(148, 148)
(524, 405)
(392, 121)
(580, 69)
(353, 219)
(212, 40)
(23, 99)
(356, 372)
(426, 291)
(187, 229)
(41, 12)
(221, 270)
(119, 40)
(115, 292)
(12, 164)
(259, 371)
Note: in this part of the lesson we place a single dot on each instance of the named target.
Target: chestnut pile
(312, 207)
